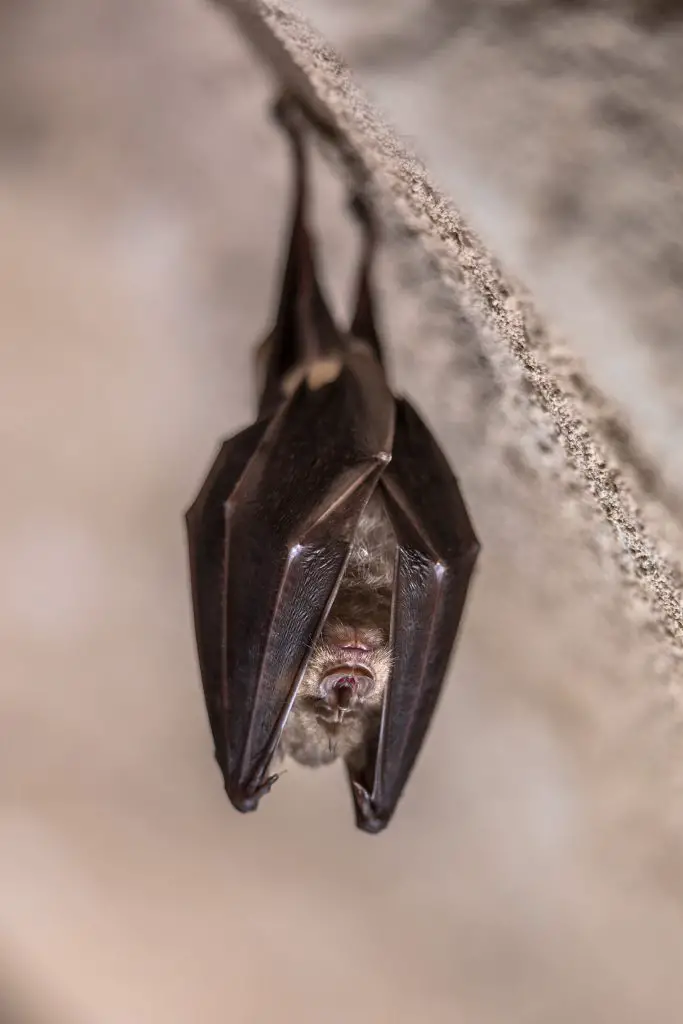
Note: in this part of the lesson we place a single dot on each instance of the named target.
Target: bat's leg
(299, 260)
(364, 324)
(304, 332)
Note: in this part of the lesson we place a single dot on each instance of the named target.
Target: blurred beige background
(534, 870)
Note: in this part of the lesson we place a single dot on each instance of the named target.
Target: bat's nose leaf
(344, 694)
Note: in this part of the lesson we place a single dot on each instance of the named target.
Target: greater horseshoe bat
(330, 550)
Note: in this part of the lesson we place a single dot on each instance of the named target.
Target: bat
(330, 549)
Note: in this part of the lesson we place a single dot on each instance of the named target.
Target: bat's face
(340, 697)
(339, 700)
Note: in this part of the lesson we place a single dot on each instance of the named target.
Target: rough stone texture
(499, 308)
(559, 128)
(533, 872)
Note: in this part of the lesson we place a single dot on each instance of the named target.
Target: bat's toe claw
(367, 817)
(361, 207)
(286, 111)
(266, 786)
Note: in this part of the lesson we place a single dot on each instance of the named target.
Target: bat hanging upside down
(330, 551)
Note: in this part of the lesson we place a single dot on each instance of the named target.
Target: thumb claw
(266, 786)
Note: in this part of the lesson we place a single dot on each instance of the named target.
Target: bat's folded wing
(206, 534)
(269, 536)
(436, 553)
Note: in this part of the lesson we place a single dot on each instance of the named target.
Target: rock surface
(533, 871)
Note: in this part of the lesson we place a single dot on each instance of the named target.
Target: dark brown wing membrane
(205, 522)
(282, 544)
(436, 553)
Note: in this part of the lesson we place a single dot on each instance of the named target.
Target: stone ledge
(600, 465)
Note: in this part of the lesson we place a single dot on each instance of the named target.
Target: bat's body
(330, 554)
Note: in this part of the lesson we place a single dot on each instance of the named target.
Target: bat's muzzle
(343, 690)
(345, 686)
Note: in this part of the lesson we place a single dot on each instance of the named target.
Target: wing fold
(436, 554)
(270, 535)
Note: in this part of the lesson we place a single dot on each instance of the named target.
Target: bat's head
(339, 701)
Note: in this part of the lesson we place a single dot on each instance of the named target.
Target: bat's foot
(362, 209)
(287, 112)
